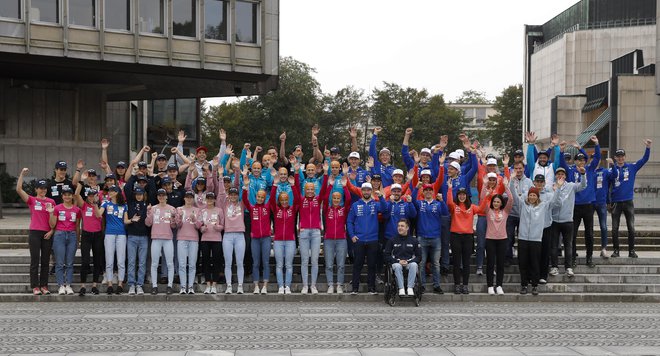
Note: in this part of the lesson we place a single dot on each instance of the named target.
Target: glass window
(481, 114)
(82, 12)
(118, 14)
(183, 18)
(45, 11)
(152, 13)
(246, 22)
(10, 9)
(134, 134)
(186, 114)
(215, 18)
(166, 117)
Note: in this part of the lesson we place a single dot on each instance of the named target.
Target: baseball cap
(334, 150)
(172, 167)
(201, 180)
(489, 156)
(376, 177)
(425, 172)
(60, 164)
(110, 176)
(491, 161)
(67, 189)
(533, 190)
(366, 186)
(201, 148)
(92, 191)
(385, 150)
(115, 188)
(560, 169)
(461, 190)
(620, 152)
(210, 195)
(161, 191)
(427, 186)
(395, 186)
(397, 171)
(41, 183)
(460, 152)
(580, 156)
(138, 190)
(142, 177)
(233, 190)
(91, 172)
(121, 164)
(142, 164)
(426, 150)
(354, 155)
(161, 156)
(518, 153)
(567, 155)
(539, 178)
(226, 179)
(543, 153)
(491, 175)
(189, 193)
(455, 165)
(165, 180)
(454, 155)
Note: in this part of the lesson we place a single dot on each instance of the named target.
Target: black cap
(121, 164)
(580, 156)
(92, 191)
(539, 178)
(60, 164)
(172, 167)
(210, 195)
(115, 188)
(142, 178)
(138, 190)
(376, 176)
(567, 155)
(142, 164)
(620, 152)
(91, 172)
(560, 169)
(110, 176)
(334, 150)
(461, 190)
(67, 189)
(41, 183)
(189, 193)
(518, 153)
(161, 156)
(233, 190)
(490, 155)
(161, 191)
(201, 180)
(544, 153)
(165, 180)
(226, 178)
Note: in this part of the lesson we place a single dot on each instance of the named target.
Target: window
(134, 127)
(152, 13)
(215, 18)
(45, 11)
(183, 18)
(246, 22)
(118, 15)
(82, 12)
(166, 117)
(481, 114)
(10, 9)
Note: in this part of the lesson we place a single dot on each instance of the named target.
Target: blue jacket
(337, 187)
(362, 219)
(464, 178)
(588, 195)
(395, 212)
(360, 177)
(384, 171)
(410, 163)
(623, 178)
(602, 184)
(258, 183)
(428, 216)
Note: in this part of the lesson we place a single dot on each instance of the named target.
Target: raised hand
(174, 150)
(370, 162)
(463, 137)
(554, 139)
(292, 180)
(594, 139)
(80, 165)
(223, 135)
(409, 131)
(648, 142)
(344, 180)
(505, 160)
(182, 136)
(410, 175)
(353, 132)
(442, 158)
(283, 136)
(154, 155)
(326, 152)
(444, 140)
(104, 165)
(562, 145)
(326, 166)
(246, 146)
(258, 149)
(229, 151)
(24, 171)
(408, 199)
(296, 166)
(438, 197)
(50, 208)
(377, 130)
(315, 130)
(610, 161)
(505, 181)
(581, 170)
(84, 176)
(105, 143)
(576, 145)
(344, 168)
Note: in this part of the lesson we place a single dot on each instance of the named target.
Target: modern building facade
(591, 71)
(75, 71)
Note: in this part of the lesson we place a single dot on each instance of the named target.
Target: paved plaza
(339, 328)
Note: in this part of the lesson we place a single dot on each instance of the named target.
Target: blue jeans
(431, 248)
(64, 247)
(444, 240)
(284, 251)
(158, 245)
(234, 242)
(601, 211)
(115, 243)
(481, 240)
(136, 247)
(335, 250)
(260, 257)
(412, 273)
(163, 264)
(310, 246)
(187, 250)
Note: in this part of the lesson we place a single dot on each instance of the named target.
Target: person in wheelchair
(403, 252)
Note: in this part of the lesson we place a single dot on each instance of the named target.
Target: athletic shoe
(191, 290)
(543, 281)
(154, 290)
(480, 271)
(491, 290)
(264, 290)
(354, 292)
(632, 254)
(287, 290)
(131, 290)
(207, 290)
(379, 280)
(115, 278)
(314, 290)
(228, 290)
(36, 291)
(330, 289)
(535, 291)
(95, 291)
(239, 290)
(615, 253)
(61, 290)
(45, 291)
(410, 292)
(280, 290)
(457, 289)
(569, 272)
(183, 291)
(169, 290)
(69, 290)
(523, 290)
(120, 290)
(139, 290)
(465, 290)
(109, 290)
(436, 290)
(554, 271)
(82, 291)
(590, 262)
(603, 254)
(373, 292)
(256, 289)
(304, 290)
(340, 289)
(214, 290)
(499, 290)
(402, 292)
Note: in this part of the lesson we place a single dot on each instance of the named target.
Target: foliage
(505, 127)
(473, 97)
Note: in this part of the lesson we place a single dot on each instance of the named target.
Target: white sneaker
(183, 291)
(280, 290)
(272, 253)
(314, 290)
(554, 271)
(569, 272)
(340, 289)
(256, 289)
(287, 290)
(61, 291)
(139, 290)
(491, 290)
(304, 290)
(207, 290)
(105, 280)
(480, 271)
(228, 290)
(542, 281)
(330, 289)
(402, 292)
(115, 279)
(239, 290)
(191, 290)
(214, 290)
(264, 290)
(603, 254)
(68, 289)
(500, 291)
(131, 290)
(411, 292)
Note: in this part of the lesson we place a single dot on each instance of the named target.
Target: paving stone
(388, 352)
(546, 351)
(326, 352)
(591, 350)
(262, 352)
(478, 351)
(433, 351)
(210, 353)
(633, 350)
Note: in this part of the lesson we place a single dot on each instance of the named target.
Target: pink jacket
(285, 218)
(162, 220)
(211, 224)
(335, 217)
(187, 223)
(310, 208)
(496, 221)
(259, 217)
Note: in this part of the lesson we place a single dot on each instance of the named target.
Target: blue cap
(41, 183)
(111, 176)
(142, 177)
(67, 190)
(121, 164)
(189, 193)
(201, 180)
(60, 164)
(161, 191)
(138, 190)
(91, 172)
(165, 180)
(161, 156)
(92, 192)
(142, 164)
(115, 188)
(172, 166)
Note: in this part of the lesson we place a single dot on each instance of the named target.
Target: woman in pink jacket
(162, 219)
(335, 243)
(233, 241)
(211, 225)
(496, 237)
(187, 242)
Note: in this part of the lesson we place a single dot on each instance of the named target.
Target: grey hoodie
(564, 211)
(533, 218)
(519, 187)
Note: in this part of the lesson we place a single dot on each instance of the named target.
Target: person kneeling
(403, 251)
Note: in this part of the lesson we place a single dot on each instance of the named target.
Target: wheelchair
(391, 292)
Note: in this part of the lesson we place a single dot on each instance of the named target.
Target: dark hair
(496, 196)
(120, 198)
(519, 163)
(404, 221)
(468, 201)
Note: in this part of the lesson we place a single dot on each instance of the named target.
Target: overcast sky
(444, 46)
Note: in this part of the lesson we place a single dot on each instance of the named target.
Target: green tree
(347, 108)
(473, 97)
(505, 127)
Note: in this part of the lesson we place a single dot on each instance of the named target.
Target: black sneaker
(457, 289)
(120, 290)
(373, 292)
(109, 290)
(615, 253)
(95, 291)
(169, 290)
(465, 290)
(379, 280)
(82, 291)
(632, 254)
(590, 262)
(535, 291)
(438, 290)
(154, 290)
(523, 290)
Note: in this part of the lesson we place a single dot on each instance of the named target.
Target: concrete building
(75, 71)
(591, 71)
(476, 116)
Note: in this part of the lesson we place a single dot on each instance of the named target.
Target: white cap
(366, 185)
(455, 155)
(425, 172)
(385, 149)
(455, 165)
(354, 155)
(397, 171)
(426, 150)
(395, 186)
(491, 161)
(460, 153)
(491, 175)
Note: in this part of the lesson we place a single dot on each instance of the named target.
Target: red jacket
(285, 218)
(259, 217)
(310, 208)
(335, 217)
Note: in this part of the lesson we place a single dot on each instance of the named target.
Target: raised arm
(647, 153)
(104, 150)
(354, 144)
(373, 151)
(19, 185)
(405, 150)
(76, 196)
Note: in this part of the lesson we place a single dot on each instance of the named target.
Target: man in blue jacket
(382, 160)
(362, 226)
(623, 177)
(600, 204)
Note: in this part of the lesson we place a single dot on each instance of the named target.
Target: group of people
(238, 208)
